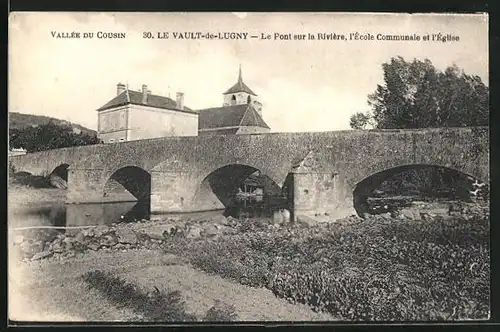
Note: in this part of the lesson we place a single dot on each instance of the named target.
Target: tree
(48, 136)
(417, 95)
(360, 120)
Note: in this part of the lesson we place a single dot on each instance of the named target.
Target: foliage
(417, 95)
(380, 269)
(48, 136)
(12, 169)
(428, 181)
(221, 312)
(22, 120)
(158, 306)
(360, 120)
(28, 179)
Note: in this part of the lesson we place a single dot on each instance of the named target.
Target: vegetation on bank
(49, 136)
(154, 306)
(23, 120)
(380, 269)
(29, 180)
(415, 94)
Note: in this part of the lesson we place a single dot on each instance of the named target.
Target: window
(122, 139)
(233, 100)
(249, 100)
(111, 140)
(122, 119)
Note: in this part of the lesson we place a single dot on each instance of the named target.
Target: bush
(221, 312)
(380, 269)
(48, 136)
(28, 179)
(154, 306)
(157, 305)
(12, 169)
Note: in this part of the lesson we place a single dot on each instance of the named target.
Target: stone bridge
(321, 170)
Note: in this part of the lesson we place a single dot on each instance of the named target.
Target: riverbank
(414, 265)
(54, 290)
(20, 197)
(46, 269)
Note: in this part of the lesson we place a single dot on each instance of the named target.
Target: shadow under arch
(128, 183)
(59, 176)
(218, 189)
(427, 180)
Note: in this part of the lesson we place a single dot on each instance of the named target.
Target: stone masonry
(332, 163)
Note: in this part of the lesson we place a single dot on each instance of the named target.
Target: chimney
(180, 100)
(144, 94)
(120, 88)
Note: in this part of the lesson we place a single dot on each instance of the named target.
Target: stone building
(241, 113)
(134, 115)
(17, 152)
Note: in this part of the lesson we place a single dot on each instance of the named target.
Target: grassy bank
(380, 269)
(23, 196)
(71, 290)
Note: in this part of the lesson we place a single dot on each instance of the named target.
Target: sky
(304, 85)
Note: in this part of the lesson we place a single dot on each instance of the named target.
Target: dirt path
(52, 290)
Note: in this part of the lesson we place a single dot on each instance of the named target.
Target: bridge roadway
(322, 169)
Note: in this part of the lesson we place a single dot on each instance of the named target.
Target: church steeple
(240, 86)
(240, 77)
(240, 94)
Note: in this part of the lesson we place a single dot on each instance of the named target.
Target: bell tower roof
(240, 86)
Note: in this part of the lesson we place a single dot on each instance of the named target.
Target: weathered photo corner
(221, 167)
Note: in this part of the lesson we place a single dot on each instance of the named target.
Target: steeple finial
(240, 78)
(127, 94)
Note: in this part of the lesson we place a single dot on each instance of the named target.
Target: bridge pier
(179, 191)
(320, 196)
(319, 192)
(85, 186)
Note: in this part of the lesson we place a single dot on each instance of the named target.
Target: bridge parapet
(178, 165)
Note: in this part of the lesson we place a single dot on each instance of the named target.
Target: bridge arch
(458, 180)
(59, 176)
(193, 183)
(128, 183)
(217, 190)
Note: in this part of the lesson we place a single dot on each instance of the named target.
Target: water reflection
(107, 213)
(77, 215)
(73, 215)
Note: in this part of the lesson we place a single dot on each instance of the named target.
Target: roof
(135, 97)
(229, 131)
(240, 86)
(230, 116)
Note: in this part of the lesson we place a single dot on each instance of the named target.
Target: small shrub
(380, 269)
(221, 312)
(12, 170)
(159, 306)
(28, 179)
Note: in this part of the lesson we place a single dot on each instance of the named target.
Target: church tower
(241, 94)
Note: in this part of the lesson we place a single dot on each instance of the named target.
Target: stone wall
(147, 122)
(252, 130)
